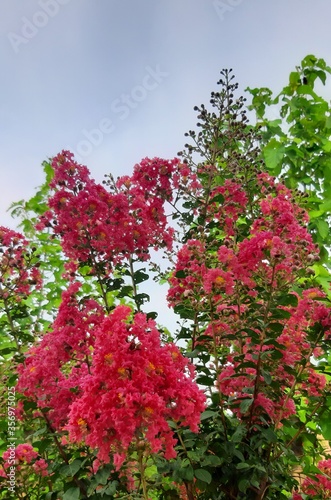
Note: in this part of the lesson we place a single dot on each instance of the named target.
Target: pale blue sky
(135, 68)
(84, 56)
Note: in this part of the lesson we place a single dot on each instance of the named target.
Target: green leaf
(276, 327)
(280, 314)
(239, 433)
(288, 299)
(43, 430)
(103, 474)
(140, 276)
(302, 414)
(203, 475)
(212, 460)
(71, 469)
(7, 350)
(204, 380)
(219, 198)
(48, 169)
(192, 354)
(243, 465)
(273, 154)
(326, 146)
(184, 312)
(325, 424)
(208, 414)
(245, 405)
(295, 78)
(243, 485)
(111, 488)
(72, 494)
(126, 291)
(323, 228)
(186, 473)
(113, 284)
(141, 298)
(267, 377)
(181, 274)
(152, 315)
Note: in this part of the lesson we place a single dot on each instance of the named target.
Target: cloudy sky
(116, 80)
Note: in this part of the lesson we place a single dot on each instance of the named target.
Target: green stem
(142, 468)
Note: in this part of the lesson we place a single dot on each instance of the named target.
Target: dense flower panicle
(18, 271)
(184, 180)
(135, 386)
(154, 176)
(100, 225)
(53, 369)
(69, 173)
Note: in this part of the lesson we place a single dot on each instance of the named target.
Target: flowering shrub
(18, 270)
(110, 404)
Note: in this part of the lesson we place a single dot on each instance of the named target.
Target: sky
(115, 81)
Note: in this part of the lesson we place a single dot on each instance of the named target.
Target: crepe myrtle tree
(103, 402)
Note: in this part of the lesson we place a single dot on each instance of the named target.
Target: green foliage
(297, 144)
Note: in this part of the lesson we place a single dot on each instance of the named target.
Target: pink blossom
(40, 467)
(136, 385)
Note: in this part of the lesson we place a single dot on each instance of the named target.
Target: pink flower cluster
(109, 380)
(233, 205)
(292, 345)
(318, 487)
(244, 279)
(100, 225)
(54, 368)
(17, 273)
(24, 455)
(278, 246)
(136, 385)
